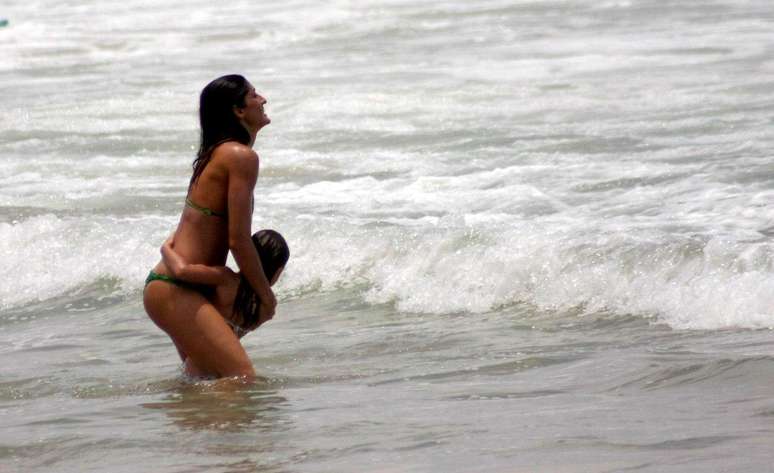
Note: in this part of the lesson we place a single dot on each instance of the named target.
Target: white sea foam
(683, 253)
(459, 157)
(47, 256)
(686, 283)
(446, 266)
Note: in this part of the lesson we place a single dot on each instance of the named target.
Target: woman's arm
(193, 273)
(243, 173)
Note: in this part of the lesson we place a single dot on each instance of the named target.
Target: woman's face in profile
(253, 114)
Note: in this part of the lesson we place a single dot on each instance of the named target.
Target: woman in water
(216, 218)
(231, 295)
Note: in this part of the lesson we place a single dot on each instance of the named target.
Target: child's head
(273, 251)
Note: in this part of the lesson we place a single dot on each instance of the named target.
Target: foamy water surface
(525, 236)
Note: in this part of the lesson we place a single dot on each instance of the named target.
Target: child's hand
(265, 313)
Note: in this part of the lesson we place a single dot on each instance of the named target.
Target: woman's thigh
(197, 329)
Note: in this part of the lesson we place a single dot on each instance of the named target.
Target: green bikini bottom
(200, 288)
(153, 276)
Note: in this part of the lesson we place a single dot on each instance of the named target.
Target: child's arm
(192, 273)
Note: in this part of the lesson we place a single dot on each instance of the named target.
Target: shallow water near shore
(528, 236)
(349, 387)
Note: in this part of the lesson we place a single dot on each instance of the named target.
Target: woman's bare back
(202, 232)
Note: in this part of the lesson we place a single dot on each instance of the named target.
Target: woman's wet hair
(217, 119)
(274, 253)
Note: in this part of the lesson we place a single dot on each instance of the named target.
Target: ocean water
(526, 236)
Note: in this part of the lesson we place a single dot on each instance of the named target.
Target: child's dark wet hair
(274, 254)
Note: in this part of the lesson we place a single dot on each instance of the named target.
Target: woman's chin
(264, 123)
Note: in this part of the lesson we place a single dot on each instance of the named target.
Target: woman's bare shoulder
(232, 150)
(235, 159)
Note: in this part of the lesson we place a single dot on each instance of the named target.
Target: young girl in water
(229, 292)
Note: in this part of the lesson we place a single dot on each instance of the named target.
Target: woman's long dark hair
(217, 119)
(274, 253)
